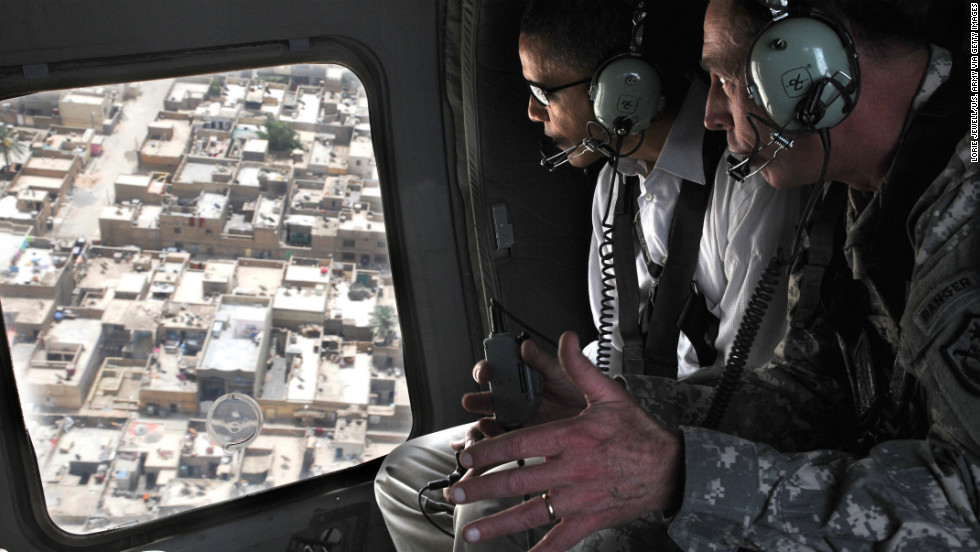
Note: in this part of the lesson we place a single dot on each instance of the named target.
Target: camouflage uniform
(902, 493)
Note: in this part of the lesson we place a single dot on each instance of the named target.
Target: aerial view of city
(170, 246)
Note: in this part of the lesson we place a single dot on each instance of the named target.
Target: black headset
(627, 91)
(802, 69)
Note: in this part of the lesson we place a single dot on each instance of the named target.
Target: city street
(94, 186)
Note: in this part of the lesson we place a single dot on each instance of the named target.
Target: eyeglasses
(540, 93)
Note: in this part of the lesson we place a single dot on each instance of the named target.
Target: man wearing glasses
(562, 44)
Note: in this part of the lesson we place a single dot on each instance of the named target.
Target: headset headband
(627, 90)
(802, 69)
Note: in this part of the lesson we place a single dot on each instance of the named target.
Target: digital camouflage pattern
(904, 494)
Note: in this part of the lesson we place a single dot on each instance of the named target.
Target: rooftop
(260, 279)
(33, 266)
(182, 89)
(237, 347)
(50, 183)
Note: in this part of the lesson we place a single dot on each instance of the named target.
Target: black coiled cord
(607, 301)
(748, 328)
(607, 271)
(758, 303)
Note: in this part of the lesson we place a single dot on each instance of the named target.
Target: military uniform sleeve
(799, 401)
(905, 495)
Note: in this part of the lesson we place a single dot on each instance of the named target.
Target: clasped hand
(605, 461)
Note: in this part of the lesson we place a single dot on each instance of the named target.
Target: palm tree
(384, 321)
(9, 144)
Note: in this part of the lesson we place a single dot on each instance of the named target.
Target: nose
(717, 111)
(535, 111)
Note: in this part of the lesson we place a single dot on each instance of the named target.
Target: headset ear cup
(803, 71)
(627, 94)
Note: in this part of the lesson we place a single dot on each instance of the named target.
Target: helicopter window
(262, 348)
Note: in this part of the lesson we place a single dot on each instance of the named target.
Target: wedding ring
(551, 509)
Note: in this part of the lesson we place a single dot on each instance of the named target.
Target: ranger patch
(947, 294)
(964, 355)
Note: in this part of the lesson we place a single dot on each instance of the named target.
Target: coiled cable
(607, 299)
(751, 321)
(607, 282)
(748, 328)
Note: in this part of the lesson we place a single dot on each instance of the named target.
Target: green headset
(627, 91)
(802, 69)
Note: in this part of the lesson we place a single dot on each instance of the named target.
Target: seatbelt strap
(700, 326)
(683, 249)
(627, 284)
(827, 222)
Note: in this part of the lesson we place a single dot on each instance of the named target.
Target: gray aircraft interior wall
(450, 126)
(533, 226)
(395, 48)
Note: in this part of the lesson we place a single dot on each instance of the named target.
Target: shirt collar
(681, 154)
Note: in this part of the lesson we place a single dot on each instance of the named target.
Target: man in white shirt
(744, 226)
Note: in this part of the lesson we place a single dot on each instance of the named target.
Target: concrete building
(116, 388)
(86, 108)
(166, 142)
(29, 207)
(158, 445)
(254, 179)
(349, 437)
(52, 175)
(203, 174)
(361, 157)
(39, 110)
(220, 113)
(64, 364)
(206, 142)
(149, 189)
(194, 226)
(130, 327)
(255, 149)
(258, 277)
(169, 385)
(234, 359)
(76, 473)
(187, 93)
(27, 318)
(219, 278)
(67, 142)
(37, 270)
(302, 108)
(361, 237)
(131, 225)
(295, 307)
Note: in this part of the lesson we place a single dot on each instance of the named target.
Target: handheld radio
(515, 387)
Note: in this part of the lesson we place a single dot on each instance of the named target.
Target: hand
(560, 397)
(604, 467)
(473, 435)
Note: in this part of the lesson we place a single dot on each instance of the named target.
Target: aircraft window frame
(368, 69)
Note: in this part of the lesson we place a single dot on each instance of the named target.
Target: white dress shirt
(744, 225)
